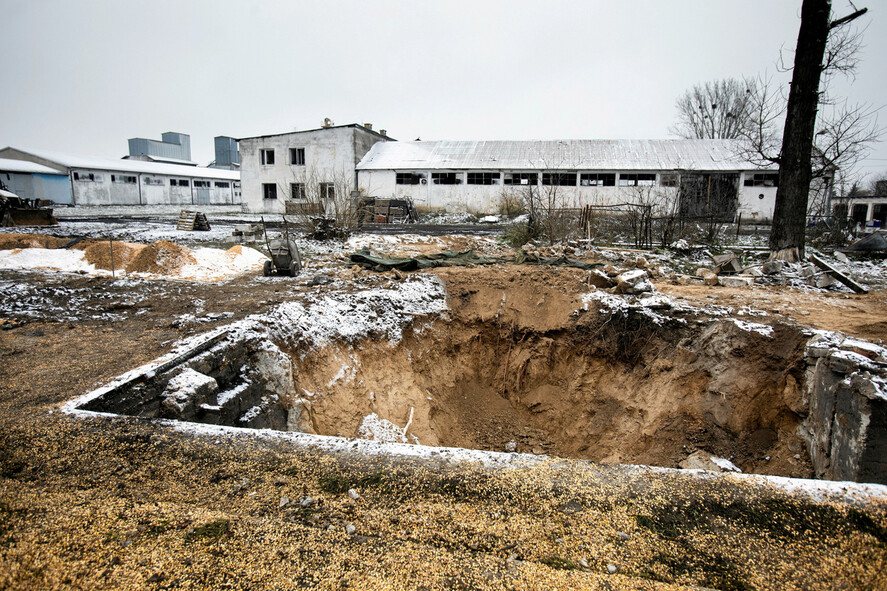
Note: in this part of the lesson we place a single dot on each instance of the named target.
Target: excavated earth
(519, 362)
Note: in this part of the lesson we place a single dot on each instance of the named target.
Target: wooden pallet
(190, 221)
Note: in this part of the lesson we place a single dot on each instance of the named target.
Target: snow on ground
(211, 264)
(67, 261)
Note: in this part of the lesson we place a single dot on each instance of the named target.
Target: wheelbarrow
(284, 253)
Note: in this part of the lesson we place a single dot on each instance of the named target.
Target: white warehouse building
(105, 181)
(477, 176)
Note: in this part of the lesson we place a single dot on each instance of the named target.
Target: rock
(583, 563)
(633, 282)
(754, 272)
(704, 271)
(398, 274)
(570, 507)
(711, 279)
(622, 535)
(350, 529)
(284, 501)
(773, 267)
(842, 257)
(611, 271)
(611, 568)
(737, 281)
(824, 280)
(306, 502)
(598, 278)
(319, 280)
(808, 271)
(511, 446)
(353, 494)
(640, 263)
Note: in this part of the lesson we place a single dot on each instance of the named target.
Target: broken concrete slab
(737, 280)
(819, 262)
(726, 263)
(773, 267)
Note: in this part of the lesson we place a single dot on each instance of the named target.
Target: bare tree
(796, 170)
(714, 110)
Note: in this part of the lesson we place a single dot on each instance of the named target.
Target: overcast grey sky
(84, 76)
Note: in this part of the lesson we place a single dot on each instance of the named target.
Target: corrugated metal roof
(710, 155)
(9, 165)
(89, 162)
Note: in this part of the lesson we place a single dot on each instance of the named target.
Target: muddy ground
(122, 503)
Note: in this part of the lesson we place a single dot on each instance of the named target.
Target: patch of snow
(375, 428)
(762, 329)
(251, 414)
(58, 259)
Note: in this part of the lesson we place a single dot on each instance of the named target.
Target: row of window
(297, 156)
(298, 192)
(92, 177)
(556, 179)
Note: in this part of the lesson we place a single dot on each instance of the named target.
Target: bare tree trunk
(790, 213)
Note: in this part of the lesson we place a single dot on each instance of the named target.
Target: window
(183, 183)
(860, 213)
(152, 181)
(269, 190)
(483, 178)
(222, 185)
(597, 179)
(267, 156)
(88, 177)
(670, 180)
(327, 190)
(637, 179)
(408, 178)
(297, 156)
(445, 178)
(297, 192)
(559, 179)
(201, 184)
(762, 179)
(520, 178)
(841, 210)
(119, 178)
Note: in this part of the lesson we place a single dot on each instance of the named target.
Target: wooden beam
(837, 274)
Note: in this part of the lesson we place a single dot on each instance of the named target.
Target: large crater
(513, 364)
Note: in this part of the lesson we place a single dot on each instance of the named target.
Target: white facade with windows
(478, 175)
(285, 172)
(100, 181)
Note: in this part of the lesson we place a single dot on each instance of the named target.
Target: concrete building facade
(100, 181)
(303, 171)
(699, 177)
(30, 180)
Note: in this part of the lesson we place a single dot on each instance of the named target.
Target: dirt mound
(98, 253)
(163, 257)
(13, 241)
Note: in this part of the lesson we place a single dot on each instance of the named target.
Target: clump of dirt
(161, 257)
(98, 253)
(13, 241)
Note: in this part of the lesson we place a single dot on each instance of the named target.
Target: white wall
(149, 189)
(329, 157)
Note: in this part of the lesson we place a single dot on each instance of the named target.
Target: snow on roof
(707, 155)
(139, 166)
(9, 165)
(150, 158)
(352, 125)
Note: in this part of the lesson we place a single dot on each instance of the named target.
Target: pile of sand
(13, 241)
(162, 257)
(98, 253)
